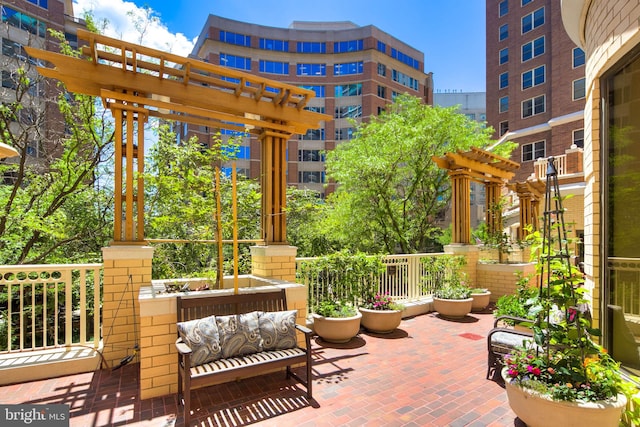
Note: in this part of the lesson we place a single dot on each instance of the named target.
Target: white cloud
(121, 25)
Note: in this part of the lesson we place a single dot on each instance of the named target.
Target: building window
(348, 46)
(504, 32)
(504, 104)
(404, 79)
(318, 89)
(382, 47)
(348, 111)
(504, 80)
(578, 57)
(504, 55)
(271, 44)
(578, 138)
(382, 70)
(313, 135)
(233, 61)
(533, 77)
(23, 21)
(235, 38)
(311, 47)
(310, 177)
(533, 49)
(42, 3)
(533, 106)
(579, 89)
(533, 151)
(310, 156)
(353, 89)
(504, 127)
(503, 8)
(315, 109)
(344, 134)
(274, 67)
(533, 20)
(404, 58)
(525, 2)
(348, 68)
(311, 70)
(382, 92)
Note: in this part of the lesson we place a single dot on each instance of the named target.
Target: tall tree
(52, 204)
(390, 192)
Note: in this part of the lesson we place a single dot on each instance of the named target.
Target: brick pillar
(274, 262)
(471, 254)
(120, 328)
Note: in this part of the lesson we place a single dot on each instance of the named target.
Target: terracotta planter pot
(336, 329)
(480, 301)
(537, 410)
(380, 321)
(453, 308)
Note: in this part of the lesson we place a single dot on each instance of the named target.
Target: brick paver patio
(429, 372)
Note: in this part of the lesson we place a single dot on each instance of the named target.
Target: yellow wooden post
(234, 202)
(274, 187)
(460, 207)
(218, 194)
(494, 213)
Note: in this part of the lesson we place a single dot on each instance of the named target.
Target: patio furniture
(502, 339)
(228, 365)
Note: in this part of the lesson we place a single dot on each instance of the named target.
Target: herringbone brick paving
(429, 372)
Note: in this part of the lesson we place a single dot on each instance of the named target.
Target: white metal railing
(404, 279)
(624, 282)
(540, 166)
(49, 306)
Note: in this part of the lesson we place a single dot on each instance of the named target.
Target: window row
(341, 134)
(537, 150)
(311, 177)
(536, 105)
(503, 6)
(404, 58)
(282, 68)
(404, 80)
(310, 155)
(530, 50)
(16, 50)
(23, 21)
(530, 107)
(283, 45)
(529, 23)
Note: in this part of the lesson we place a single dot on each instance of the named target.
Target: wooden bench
(501, 340)
(193, 307)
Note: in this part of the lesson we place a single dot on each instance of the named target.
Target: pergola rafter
(481, 166)
(138, 82)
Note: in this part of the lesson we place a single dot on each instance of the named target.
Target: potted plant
(452, 297)
(381, 314)
(517, 305)
(562, 377)
(337, 284)
(481, 299)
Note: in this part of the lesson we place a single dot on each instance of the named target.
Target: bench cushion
(278, 329)
(505, 342)
(239, 334)
(201, 335)
(232, 363)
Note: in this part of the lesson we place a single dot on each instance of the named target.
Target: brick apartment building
(355, 72)
(535, 80)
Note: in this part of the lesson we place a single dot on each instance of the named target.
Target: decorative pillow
(201, 335)
(239, 334)
(278, 329)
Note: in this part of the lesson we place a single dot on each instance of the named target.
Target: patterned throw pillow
(278, 329)
(239, 334)
(201, 335)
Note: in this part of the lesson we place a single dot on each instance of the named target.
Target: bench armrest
(303, 329)
(512, 318)
(182, 347)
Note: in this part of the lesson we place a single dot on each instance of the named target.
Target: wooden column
(526, 213)
(494, 214)
(460, 207)
(274, 187)
(129, 168)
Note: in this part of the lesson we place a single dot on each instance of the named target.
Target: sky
(450, 33)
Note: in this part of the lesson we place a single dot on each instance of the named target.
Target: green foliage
(56, 206)
(390, 191)
(305, 213)
(517, 305)
(446, 272)
(381, 301)
(341, 277)
(329, 308)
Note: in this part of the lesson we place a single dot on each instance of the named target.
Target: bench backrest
(192, 307)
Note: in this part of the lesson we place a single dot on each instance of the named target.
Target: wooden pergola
(530, 193)
(137, 82)
(481, 166)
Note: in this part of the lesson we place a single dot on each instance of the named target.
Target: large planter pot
(453, 308)
(336, 329)
(380, 321)
(480, 300)
(537, 410)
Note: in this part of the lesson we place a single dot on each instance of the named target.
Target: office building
(355, 72)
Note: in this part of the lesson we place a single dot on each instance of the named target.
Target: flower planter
(537, 410)
(336, 329)
(380, 321)
(480, 300)
(453, 308)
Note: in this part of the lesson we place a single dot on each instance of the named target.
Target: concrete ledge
(44, 364)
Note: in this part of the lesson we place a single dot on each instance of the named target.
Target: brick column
(274, 262)
(126, 268)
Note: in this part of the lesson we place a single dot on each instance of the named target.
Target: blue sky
(450, 33)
